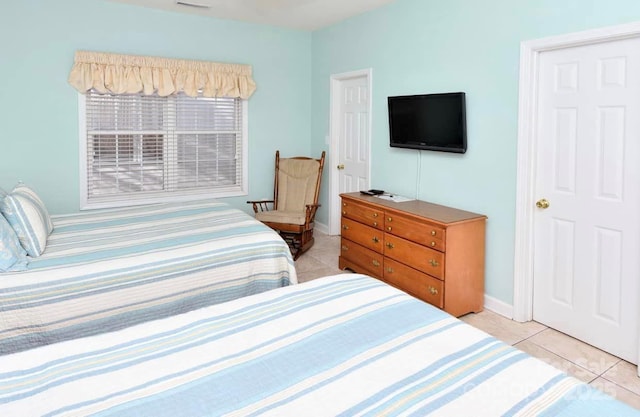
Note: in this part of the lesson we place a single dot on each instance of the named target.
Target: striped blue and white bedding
(105, 270)
(345, 345)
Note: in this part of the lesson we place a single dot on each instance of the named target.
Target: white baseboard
(497, 306)
(322, 228)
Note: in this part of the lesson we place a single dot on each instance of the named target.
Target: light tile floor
(593, 366)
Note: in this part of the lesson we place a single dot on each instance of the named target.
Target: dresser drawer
(421, 285)
(419, 257)
(416, 231)
(369, 261)
(366, 236)
(363, 214)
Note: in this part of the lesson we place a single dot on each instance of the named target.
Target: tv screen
(435, 122)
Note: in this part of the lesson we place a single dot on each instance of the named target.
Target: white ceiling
(295, 14)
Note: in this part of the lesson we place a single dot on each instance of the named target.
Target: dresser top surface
(439, 213)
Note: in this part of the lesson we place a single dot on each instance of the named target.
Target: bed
(109, 269)
(343, 345)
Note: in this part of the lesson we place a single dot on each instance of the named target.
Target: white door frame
(334, 149)
(527, 147)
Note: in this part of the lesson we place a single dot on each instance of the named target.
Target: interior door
(354, 136)
(587, 228)
(351, 162)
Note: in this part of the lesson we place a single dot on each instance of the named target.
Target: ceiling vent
(193, 4)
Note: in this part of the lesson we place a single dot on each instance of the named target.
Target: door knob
(341, 166)
(542, 203)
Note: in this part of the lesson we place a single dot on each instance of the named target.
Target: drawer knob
(345, 227)
(389, 228)
(433, 233)
(389, 219)
(433, 290)
(375, 214)
(344, 204)
(390, 270)
(375, 239)
(433, 244)
(344, 212)
(433, 262)
(345, 247)
(375, 263)
(390, 245)
(375, 224)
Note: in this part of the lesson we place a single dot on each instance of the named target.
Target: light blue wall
(413, 46)
(428, 46)
(38, 108)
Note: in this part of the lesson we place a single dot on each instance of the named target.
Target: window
(139, 149)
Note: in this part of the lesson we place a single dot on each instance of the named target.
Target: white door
(351, 136)
(587, 242)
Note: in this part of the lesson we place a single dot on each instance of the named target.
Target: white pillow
(26, 216)
(28, 192)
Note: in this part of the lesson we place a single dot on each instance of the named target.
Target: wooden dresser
(433, 252)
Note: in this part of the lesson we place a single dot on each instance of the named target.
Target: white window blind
(140, 149)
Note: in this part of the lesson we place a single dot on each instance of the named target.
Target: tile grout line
(536, 333)
(596, 375)
(609, 368)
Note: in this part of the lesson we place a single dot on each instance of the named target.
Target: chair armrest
(260, 205)
(310, 214)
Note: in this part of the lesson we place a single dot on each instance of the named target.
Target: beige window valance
(130, 74)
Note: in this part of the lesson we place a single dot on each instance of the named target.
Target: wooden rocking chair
(295, 201)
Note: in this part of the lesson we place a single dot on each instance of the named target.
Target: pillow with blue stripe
(29, 193)
(13, 257)
(28, 217)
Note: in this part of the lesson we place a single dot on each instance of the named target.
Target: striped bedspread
(345, 345)
(105, 270)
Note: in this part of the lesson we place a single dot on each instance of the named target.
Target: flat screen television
(435, 122)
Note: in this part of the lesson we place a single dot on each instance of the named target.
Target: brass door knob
(340, 166)
(542, 203)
